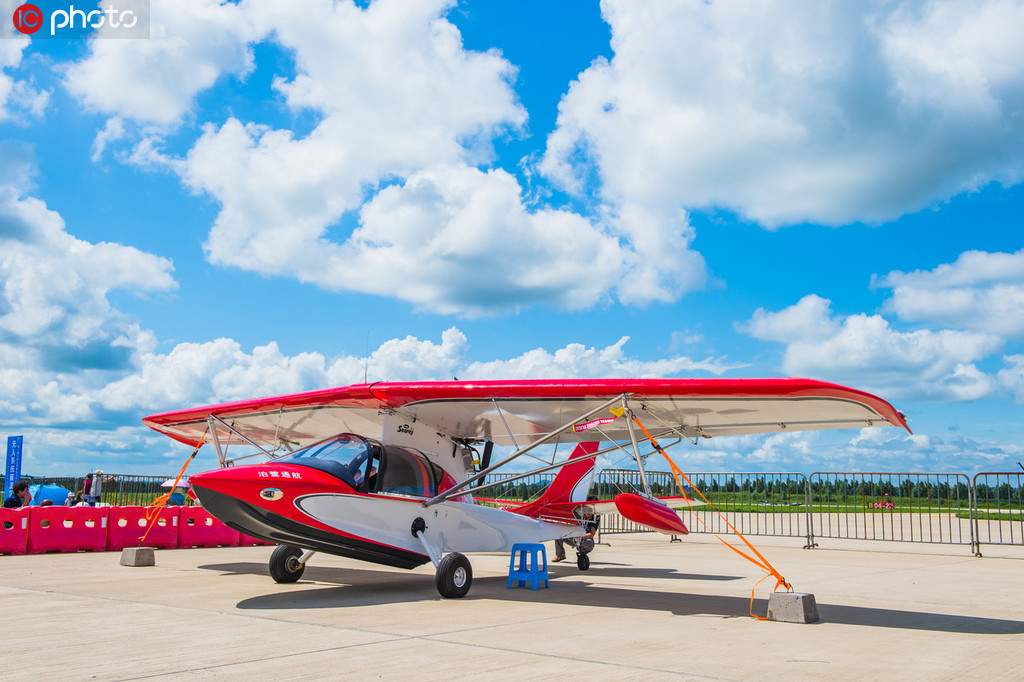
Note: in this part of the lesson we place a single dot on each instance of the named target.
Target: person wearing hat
(92, 488)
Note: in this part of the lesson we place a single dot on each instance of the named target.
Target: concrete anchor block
(792, 607)
(138, 556)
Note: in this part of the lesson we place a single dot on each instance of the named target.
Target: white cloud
(578, 360)
(399, 97)
(788, 447)
(112, 131)
(809, 319)
(402, 105)
(790, 112)
(980, 290)
(681, 338)
(457, 239)
(17, 97)
(865, 351)
(54, 287)
(217, 370)
(1012, 376)
(191, 45)
(408, 358)
(59, 333)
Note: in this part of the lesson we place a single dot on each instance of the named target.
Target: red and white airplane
(391, 473)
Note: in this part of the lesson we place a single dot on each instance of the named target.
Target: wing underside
(517, 412)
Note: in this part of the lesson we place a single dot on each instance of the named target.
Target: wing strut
(452, 492)
(558, 465)
(761, 561)
(636, 449)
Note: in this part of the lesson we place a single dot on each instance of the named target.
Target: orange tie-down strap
(760, 561)
(153, 511)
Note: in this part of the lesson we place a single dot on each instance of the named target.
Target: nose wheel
(286, 564)
(454, 576)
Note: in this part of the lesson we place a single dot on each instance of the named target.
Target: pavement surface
(647, 609)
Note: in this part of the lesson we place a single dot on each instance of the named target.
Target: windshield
(343, 456)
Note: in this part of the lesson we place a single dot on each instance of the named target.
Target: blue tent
(58, 494)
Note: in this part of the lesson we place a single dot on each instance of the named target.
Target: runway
(647, 609)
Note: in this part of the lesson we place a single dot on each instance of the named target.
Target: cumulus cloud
(809, 319)
(865, 351)
(1012, 376)
(125, 450)
(54, 288)
(980, 290)
(222, 370)
(399, 97)
(384, 194)
(17, 97)
(59, 332)
(578, 360)
(112, 131)
(783, 112)
(191, 45)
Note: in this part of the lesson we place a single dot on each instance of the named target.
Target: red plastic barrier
(67, 529)
(13, 531)
(198, 528)
(126, 525)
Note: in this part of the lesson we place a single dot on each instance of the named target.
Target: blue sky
(495, 189)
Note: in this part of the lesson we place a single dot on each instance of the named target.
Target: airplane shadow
(361, 587)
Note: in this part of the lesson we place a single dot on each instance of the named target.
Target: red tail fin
(572, 484)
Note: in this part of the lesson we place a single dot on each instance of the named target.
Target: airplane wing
(509, 412)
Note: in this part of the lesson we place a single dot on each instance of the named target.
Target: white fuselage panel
(451, 526)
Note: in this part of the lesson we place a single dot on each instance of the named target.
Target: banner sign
(12, 471)
(586, 426)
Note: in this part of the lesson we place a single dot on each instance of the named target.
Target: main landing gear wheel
(582, 562)
(284, 564)
(454, 576)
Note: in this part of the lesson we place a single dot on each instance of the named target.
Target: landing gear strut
(454, 574)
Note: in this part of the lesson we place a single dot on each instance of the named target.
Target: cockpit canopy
(370, 467)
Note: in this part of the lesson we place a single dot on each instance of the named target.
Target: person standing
(87, 490)
(94, 484)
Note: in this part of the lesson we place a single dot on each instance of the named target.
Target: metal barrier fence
(998, 510)
(753, 503)
(117, 489)
(930, 508)
(610, 482)
(933, 508)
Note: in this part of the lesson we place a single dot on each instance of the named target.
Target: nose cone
(259, 499)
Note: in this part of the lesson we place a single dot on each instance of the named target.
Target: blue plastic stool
(530, 567)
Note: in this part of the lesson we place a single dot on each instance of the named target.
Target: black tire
(454, 576)
(583, 562)
(284, 564)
